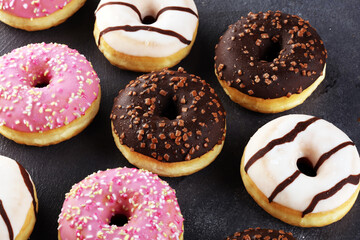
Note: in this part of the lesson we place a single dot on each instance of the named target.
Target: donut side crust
(270, 54)
(172, 169)
(138, 63)
(42, 23)
(274, 105)
(292, 216)
(56, 135)
(30, 220)
(180, 238)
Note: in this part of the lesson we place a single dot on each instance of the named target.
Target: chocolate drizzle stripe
(321, 160)
(283, 185)
(129, 28)
(174, 8)
(28, 184)
(6, 220)
(328, 154)
(351, 179)
(133, 7)
(289, 137)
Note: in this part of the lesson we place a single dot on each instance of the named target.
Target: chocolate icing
(321, 160)
(328, 154)
(161, 11)
(352, 179)
(28, 184)
(139, 116)
(175, 8)
(243, 61)
(283, 185)
(261, 234)
(146, 28)
(289, 137)
(133, 7)
(301, 126)
(129, 28)
(5, 217)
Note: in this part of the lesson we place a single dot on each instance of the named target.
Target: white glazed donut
(144, 35)
(272, 170)
(18, 202)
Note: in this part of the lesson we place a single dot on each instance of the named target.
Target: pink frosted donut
(48, 93)
(148, 202)
(32, 15)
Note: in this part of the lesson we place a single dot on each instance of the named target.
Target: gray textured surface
(213, 201)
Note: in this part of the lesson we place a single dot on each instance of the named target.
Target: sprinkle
(180, 138)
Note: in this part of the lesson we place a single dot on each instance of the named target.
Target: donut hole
(270, 51)
(41, 82)
(170, 110)
(148, 20)
(119, 220)
(305, 166)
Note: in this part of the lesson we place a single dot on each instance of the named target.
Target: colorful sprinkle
(149, 203)
(46, 89)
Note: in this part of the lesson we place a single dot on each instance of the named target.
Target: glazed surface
(141, 120)
(16, 197)
(221, 180)
(246, 57)
(174, 27)
(71, 85)
(148, 202)
(261, 234)
(271, 156)
(32, 9)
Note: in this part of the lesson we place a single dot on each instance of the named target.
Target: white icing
(14, 195)
(142, 42)
(281, 162)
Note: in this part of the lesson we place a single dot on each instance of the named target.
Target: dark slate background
(213, 201)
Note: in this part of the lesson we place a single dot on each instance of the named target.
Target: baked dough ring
(270, 62)
(18, 201)
(272, 169)
(145, 35)
(170, 122)
(149, 204)
(49, 93)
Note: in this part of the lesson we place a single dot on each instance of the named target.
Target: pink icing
(32, 8)
(72, 87)
(149, 203)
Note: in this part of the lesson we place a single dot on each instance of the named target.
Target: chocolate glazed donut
(261, 234)
(171, 123)
(270, 62)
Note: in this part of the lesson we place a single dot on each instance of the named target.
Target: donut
(148, 203)
(261, 234)
(18, 201)
(170, 122)
(145, 35)
(37, 15)
(48, 94)
(302, 170)
(270, 62)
